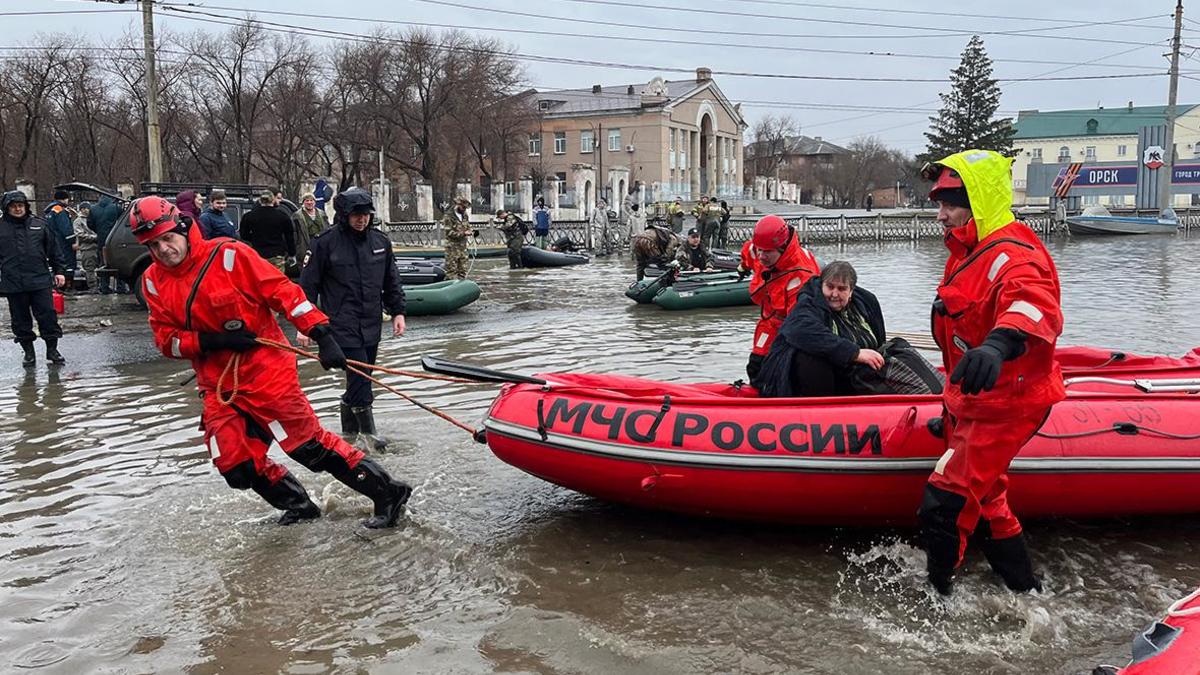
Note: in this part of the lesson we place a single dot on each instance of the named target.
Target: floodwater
(123, 551)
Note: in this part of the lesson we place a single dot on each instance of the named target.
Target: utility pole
(1164, 181)
(153, 139)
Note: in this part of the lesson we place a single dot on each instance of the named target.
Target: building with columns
(676, 138)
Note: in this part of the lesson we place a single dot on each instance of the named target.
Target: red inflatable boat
(1167, 647)
(1126, 441)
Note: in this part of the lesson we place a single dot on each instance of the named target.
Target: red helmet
(771, 232)
(943, 177)
(151, 217)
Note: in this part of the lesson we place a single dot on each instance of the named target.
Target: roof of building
(804, 145)
(608, 99)
(1091, 121)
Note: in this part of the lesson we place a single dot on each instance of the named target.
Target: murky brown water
(123, 551)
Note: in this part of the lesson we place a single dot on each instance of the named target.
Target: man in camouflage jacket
(456, 226)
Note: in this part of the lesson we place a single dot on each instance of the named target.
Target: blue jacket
(215, 224)
(541, 220)
(103, 218)
(59, 219)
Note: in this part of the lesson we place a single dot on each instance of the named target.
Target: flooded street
(124, 551)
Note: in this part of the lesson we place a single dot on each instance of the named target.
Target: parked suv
(127, 259)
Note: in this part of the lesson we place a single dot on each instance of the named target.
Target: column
(525, 188)
(424, 201)
(381, 194)
(721, 175)
(463, 189)
(497, 196)
(552, 197)
(694, 163)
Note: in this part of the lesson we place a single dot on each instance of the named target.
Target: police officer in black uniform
(350, 272)
(28, 253)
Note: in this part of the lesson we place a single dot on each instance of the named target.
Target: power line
(757, 34)
(537, 58)
(940, 32)
(889, 10)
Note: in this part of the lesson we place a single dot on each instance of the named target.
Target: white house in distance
(1097, 135)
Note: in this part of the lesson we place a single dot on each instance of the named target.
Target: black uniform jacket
(28, 250)
(353, 277)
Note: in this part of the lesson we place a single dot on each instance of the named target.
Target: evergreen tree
(967, 117)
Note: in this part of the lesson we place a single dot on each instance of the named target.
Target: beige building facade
(1096, 135)
(674, 138)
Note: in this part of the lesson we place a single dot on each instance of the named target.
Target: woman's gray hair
(840, 270)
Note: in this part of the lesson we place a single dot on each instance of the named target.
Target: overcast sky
(762, 37)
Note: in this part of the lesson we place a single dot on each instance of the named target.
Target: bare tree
(772, 139)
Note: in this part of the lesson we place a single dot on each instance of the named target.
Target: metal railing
(812, 229)
(430, 233)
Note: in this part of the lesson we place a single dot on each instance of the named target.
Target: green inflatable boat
(643, 292)
(706, 292)
(443, 297)
(429, 252)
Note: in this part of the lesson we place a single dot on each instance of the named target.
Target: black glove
(237, 340)
(980, 367)
(741, 272)
(328, 350)
(474, 233)
(754, 365)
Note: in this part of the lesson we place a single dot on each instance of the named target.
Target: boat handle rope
(1144, 385)
(1176, 608)
(1123, 428)
(357, 367)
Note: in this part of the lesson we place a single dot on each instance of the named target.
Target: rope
(390, 371)
(233, 365)
(357, 367)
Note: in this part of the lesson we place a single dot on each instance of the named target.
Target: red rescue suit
(1008, 280)
(775, 289)
(236, 284)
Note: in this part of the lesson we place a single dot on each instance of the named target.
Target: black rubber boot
(370, 480)
(349, 423)
(364, 419)
(289, 496)
(30, 358)
(52, 354)
(938, 518)
(1010, 559)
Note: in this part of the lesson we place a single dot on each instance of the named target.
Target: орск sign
(1126, 176)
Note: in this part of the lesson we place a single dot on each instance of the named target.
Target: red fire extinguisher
(60, 302)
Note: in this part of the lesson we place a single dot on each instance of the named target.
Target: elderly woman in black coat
(834, 327)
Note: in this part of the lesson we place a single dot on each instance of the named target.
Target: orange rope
(390, 371)
(234, 364)
(352, 366)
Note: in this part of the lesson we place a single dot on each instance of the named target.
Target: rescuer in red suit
(780, 266)
(997, 320)
(208, 302)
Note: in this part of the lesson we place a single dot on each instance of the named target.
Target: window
(614, 140)
(672, 139)
(1091, 199)
(1064, 154)
(510, 188)
(587, 142)
(1036, 154)
(1089, 153)
(535, 144)
(560, 142)
(1122, 150)
(672, 156)
(682, 159)
(562, 181)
